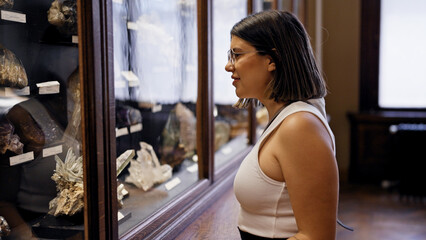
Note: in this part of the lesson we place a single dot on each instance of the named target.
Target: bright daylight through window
(402, 76)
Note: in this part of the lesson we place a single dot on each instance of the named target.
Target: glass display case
(155, 77)
(41, 166)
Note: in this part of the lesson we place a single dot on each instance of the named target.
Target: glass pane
(155, 63)
(230, 124)
(402, 80)
(262, 5)
(40, 120)
(286, 5)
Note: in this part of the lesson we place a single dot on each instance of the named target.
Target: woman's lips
(235, 80)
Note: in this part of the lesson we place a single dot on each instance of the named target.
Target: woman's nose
(229, 67)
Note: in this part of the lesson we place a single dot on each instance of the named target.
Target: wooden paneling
(205, 126)
(218, 222)
(98, 115)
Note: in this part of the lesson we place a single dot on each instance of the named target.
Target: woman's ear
(271, 65)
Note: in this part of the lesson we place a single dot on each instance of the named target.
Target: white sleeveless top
(265, 208)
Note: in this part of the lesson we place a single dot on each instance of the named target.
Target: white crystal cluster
(121, 193)
(69, 184)
(122, 161)
(146, 170)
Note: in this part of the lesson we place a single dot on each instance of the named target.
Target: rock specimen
(12, 72)
(9, 140)
(146, 170)
(69, 184)
(6, 4)
(179, 136)
(63, 14)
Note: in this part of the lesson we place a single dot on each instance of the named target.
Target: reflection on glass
(230, 124)
(155, 64)
(41, 171)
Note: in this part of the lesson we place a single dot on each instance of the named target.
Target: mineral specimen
(6, 4)
(146, 170)
(63, 14)
(4, 227)
(69, 184)
(12, 72)
(72, 133)
(222, 132)
(126, 115)
(179, 136)
(123, 160)
(30, 133)
(8, 140)
(121, 193)
(35, 125)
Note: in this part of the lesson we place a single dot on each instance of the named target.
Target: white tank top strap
(299, 106)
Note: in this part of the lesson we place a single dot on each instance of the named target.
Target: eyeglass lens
(231, 56)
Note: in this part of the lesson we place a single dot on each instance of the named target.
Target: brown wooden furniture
(372, 144)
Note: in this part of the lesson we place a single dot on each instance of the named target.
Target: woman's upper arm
(309, 167)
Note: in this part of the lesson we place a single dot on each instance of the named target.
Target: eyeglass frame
(232, 55)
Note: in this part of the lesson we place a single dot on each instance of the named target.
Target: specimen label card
(132, 25)
(130, 76)
(133, 83)
(50, 87)
(136, 128)
(13, 16)
(157, 108)
(52, 151)
(226, 150)
(74, 39)
(121, 132)
(21, 158)
(192, 168)
(123, 217)
(172, 183)
(120, 216)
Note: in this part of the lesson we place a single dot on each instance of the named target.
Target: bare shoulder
(303, 131)
(301, 123)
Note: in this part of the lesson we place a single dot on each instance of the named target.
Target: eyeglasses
(232, 56)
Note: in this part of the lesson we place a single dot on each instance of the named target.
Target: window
(402, 79)
(392, 54)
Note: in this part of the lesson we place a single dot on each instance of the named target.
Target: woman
(287, 185)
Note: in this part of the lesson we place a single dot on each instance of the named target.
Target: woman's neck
(273, 108)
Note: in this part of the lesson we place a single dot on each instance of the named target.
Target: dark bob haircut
(282, 36)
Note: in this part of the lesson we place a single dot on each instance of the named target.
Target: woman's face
(251, 72)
